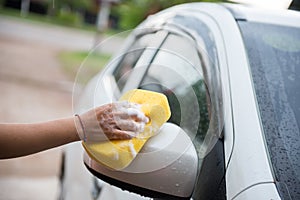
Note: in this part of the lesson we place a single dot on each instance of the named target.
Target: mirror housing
(166, 167)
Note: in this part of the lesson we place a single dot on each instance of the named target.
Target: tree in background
(133, 12)
(69, 12)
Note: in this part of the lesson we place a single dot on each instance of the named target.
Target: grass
(88, 64)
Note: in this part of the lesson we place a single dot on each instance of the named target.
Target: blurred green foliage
(71, 4)
(68, 18)
(124, 15)
(133, 12)
(69, 12)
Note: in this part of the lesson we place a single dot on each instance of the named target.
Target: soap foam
(149, 131)
(115, 155)
(136, 112)
(132, 150)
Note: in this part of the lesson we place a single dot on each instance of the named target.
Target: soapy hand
(121, 120)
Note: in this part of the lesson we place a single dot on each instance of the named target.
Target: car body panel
(249, 162)
(259, 191)
(279, 17)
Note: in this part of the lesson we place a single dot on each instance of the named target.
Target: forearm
(24, 139)
(112, 121)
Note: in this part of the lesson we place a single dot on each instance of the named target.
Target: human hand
(121, 120)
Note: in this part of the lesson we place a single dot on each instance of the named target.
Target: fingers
(126, 110)
(121, 120)
(121, 135)
(137, 115)
(132, 126)
(131, 113)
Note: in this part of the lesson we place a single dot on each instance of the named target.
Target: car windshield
(274, 58)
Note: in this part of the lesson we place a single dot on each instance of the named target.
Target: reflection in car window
(129, 59)
(176, 72)
(274, 57)
(210, 66)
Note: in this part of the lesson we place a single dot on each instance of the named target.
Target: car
(231, 76)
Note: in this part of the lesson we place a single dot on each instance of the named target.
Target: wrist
(80, 129)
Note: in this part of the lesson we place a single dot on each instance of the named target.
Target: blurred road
(33, 88)
(55, 36)
(25, 97)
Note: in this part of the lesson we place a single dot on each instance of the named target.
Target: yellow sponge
(118, 154)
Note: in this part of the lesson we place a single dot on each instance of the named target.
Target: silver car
(231, 76)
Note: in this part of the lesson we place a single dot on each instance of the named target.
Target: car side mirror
(166, 167)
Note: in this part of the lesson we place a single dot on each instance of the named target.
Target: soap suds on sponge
(131, 149)
(118, 154)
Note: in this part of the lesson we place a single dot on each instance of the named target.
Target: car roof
(238, 12)
(249, 13)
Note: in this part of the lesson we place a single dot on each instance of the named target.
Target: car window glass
(129, 59)
(176, 72)
(274, 57)
(206, 46)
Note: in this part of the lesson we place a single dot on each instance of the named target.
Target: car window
(139, 55)
(274, 58)
(129, 59)
(176, 72)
